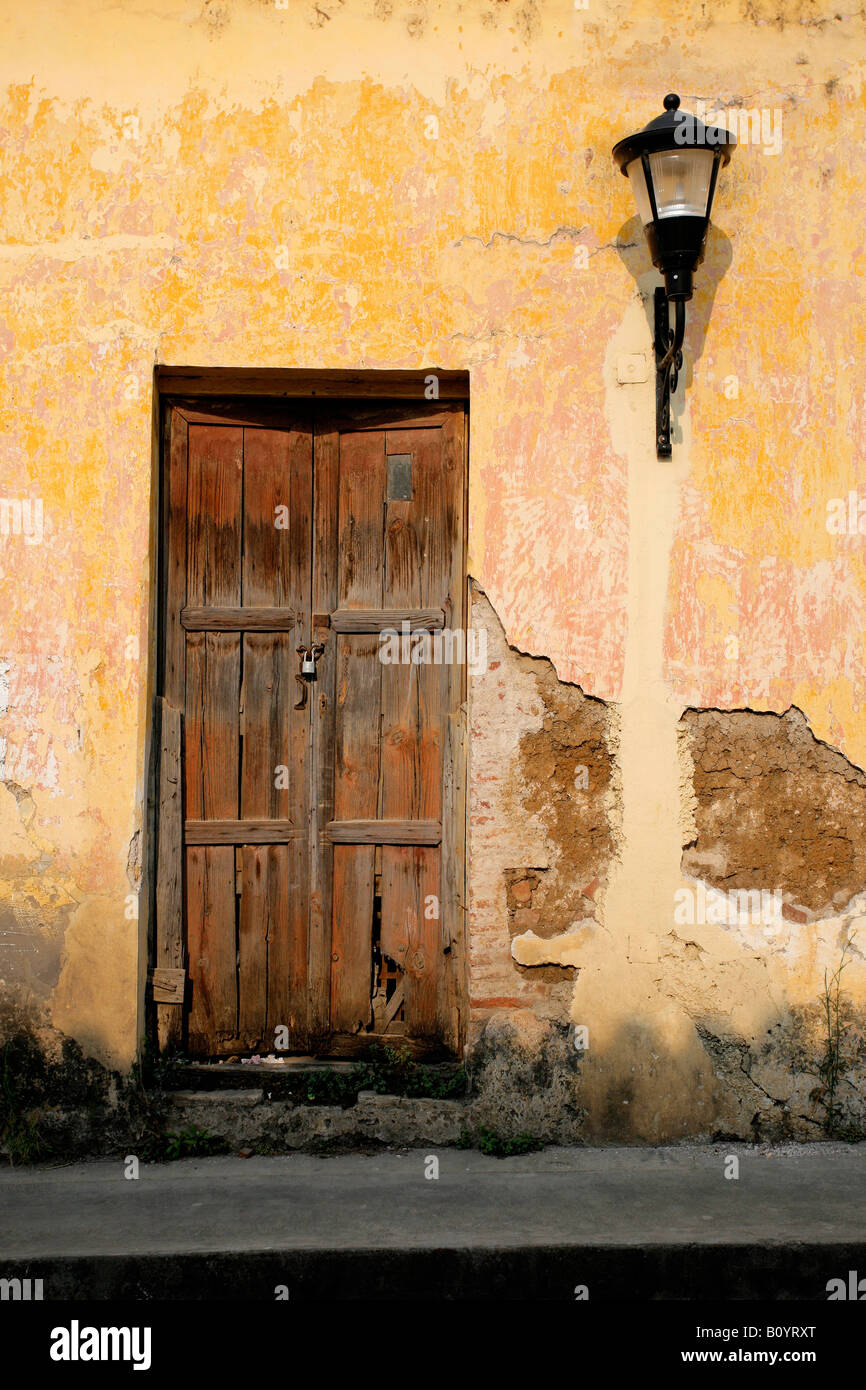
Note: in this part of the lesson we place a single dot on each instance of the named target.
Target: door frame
(373, 397)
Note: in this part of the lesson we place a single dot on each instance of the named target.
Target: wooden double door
(310, 843)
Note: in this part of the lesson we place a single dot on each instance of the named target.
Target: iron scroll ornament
(668, 346)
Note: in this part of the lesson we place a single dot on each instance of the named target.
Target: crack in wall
(567, 231)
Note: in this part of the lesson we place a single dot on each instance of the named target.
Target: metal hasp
(309, 656)
(673, 165)
(669, 361)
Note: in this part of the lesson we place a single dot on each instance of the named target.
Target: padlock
(308, 664)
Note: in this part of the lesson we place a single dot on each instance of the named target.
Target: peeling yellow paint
(346, 184)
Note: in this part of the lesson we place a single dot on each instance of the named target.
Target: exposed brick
(525, 919)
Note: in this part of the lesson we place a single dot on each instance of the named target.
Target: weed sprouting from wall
(835, 1060)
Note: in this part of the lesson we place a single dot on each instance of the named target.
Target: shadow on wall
(634, 253)
(641, 1088)
(527, 1080)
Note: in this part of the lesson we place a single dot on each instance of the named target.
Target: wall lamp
(672, 165)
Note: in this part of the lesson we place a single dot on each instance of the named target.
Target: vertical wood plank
(169, 889)
(210, 878)
(254, 922)
(454, 975)
(213, 659)
(212, 726)
(411, 917)
(211, 746)
(357, 734)
(175, 480)
(170, 901)
(215, 479)
(288, 955)
(417, 575)
(271, 778)
(276, 545)
(276, 573)
(263, 942)
(356, 795)
(326, 467)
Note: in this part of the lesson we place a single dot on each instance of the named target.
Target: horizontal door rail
(358, 620)
(340, 383)
(385, 832)
(240, 832)
(240, 619)
(378, 619)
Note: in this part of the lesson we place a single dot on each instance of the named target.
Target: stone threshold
(220, 1076)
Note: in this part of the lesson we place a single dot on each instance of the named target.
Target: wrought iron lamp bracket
(669, 361)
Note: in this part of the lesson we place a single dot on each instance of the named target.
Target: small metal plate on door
(399, 477)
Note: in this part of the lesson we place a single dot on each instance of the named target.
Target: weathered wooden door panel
(241, 597)
(418, 544)
(212, 725)
(398, 560)
(278, 503)
(321, 891)
(360, 557)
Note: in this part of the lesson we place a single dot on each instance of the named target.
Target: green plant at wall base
(489, 1142)
(834, 1062)
(330, 1088)
(387, 1071)
(192, 1143)
(148, 1076)
(19, 1129)
(492, 1144)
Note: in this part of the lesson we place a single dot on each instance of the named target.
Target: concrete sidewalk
(640, 1223)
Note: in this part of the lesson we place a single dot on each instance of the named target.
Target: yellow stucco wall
(404, 183)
